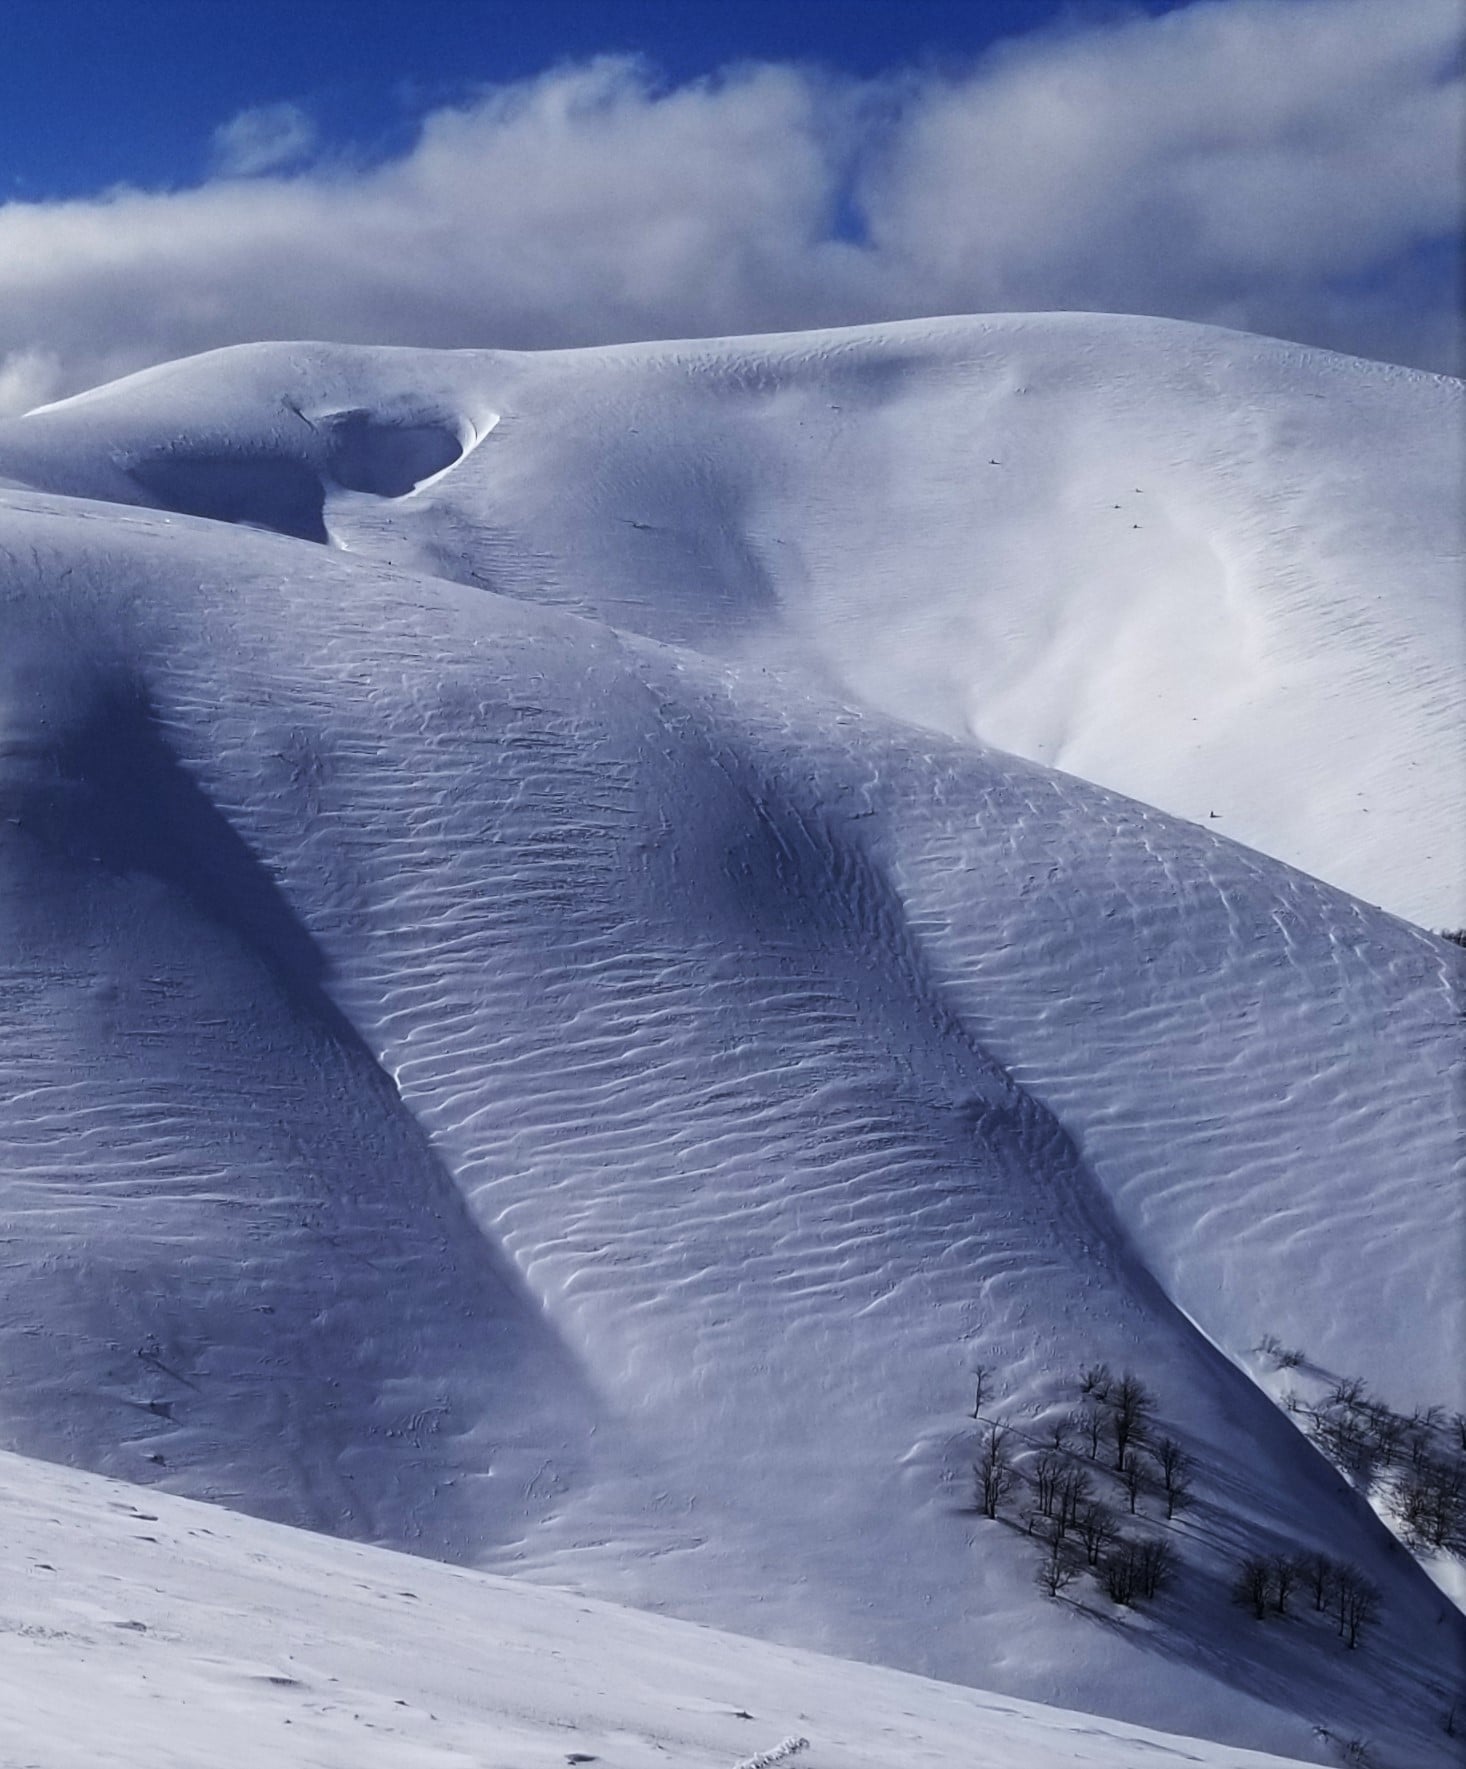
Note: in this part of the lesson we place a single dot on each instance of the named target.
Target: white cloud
(266, 139)
(1231, 146)
(1276, 164)
(28, 378)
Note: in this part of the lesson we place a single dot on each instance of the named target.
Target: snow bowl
(285, 489)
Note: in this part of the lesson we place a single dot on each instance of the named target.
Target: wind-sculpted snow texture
(553, 1088)
(1215, 572)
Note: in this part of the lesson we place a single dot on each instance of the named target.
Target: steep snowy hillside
(493, 1081)
(144, 1631)
(1215, 572)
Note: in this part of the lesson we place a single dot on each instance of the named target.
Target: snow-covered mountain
(540, 1029)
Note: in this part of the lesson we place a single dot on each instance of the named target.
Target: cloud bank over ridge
(1287, 166)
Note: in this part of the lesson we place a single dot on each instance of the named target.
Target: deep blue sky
(97, 92)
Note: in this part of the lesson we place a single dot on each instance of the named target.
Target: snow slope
(489, 1082)
(144, 1631)
(1215, 572)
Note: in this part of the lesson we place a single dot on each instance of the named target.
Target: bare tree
(1420, 1430)
(1175, 1466)
(981, 1378)
(1131, 1406)
(1059, 1433)
(1431, 1502)
(1155, 1565)
(1253, 1584)
(1096, 1528)
(1285, 1357)
(1095, 1382)
(1385, 1429)
(1090, 1423)
(1356, 1603)
(1132, 1478)
(1134, 1570)
(1048, 1470)
(1317, 1572)
(1284, 1570)
(1447, 1519)
(1072, 1494)
(994, 1471)
(1348, 1391)
(1058, 1569)
(1118, 1573)
(1341, 1434)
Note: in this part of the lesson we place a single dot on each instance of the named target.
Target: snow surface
(1212, 571)
(162, 1632)
(529, 1043)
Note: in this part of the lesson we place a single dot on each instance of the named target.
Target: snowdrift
(1214, 572)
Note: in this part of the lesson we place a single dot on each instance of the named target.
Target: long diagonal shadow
(111, 795)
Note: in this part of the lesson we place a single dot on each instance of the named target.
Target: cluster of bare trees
(1138, 1568)
(1286, 1357)
(1430, 1502)
(1417, 1461)
(1074, 1485)
(1120, 1415)
(1064, 1484)
(1281, 1584)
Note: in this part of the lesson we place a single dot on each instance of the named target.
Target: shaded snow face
(388, 459)
(267, 492)
(259, 1255)
(355, 451)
